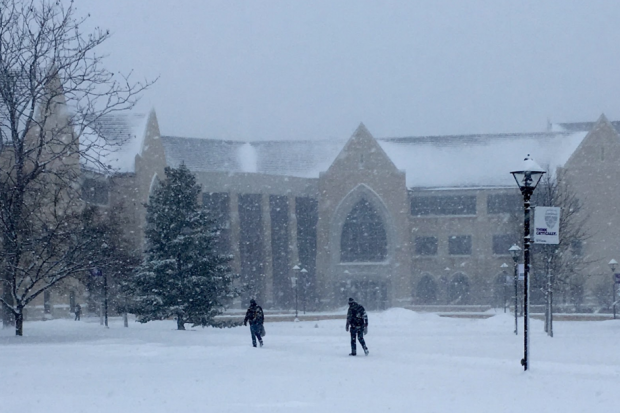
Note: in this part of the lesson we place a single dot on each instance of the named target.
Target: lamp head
(515, 252)
(528, 175)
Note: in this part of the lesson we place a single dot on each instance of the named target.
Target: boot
(352, 354)
(366, 351)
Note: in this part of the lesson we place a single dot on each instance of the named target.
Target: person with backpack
(256, 318)
(357, 323)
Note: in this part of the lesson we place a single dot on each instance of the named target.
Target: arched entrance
(500, 290)
(426, 291)
(458, 289)
(362, 249)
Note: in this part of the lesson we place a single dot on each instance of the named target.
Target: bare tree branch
(54, 94)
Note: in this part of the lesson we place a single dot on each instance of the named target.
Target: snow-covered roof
(578, 126)
(474, 160)
(304, 159)
(429, 161)
(124, 136)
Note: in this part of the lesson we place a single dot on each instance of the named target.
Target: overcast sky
(253, 70)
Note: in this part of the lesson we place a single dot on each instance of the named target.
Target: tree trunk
(7, 313)
(19, 324)
(180, 323)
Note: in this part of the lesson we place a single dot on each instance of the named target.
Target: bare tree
(116, 255)
(565, 261)
(54, 92)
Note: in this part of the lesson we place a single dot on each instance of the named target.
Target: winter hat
(351, 300)
(252, 302)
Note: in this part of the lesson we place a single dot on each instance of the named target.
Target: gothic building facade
(390, 221)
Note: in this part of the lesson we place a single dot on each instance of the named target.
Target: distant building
(390, 221)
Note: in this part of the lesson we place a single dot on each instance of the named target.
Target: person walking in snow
(357, 324)
(78, 312)
(256, 318)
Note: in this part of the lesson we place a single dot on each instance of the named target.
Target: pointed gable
(603, 141)
(362, 152)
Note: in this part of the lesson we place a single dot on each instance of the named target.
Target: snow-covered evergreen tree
(181, 276)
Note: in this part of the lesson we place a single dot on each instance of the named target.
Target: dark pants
(357, 332)
(255, 330)
(77, 316)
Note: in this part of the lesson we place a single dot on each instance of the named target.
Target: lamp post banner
(617, 278)
(521, 272)
(547, 225)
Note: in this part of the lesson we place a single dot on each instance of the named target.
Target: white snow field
(417, 363)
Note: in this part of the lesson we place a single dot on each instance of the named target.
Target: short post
(612, 265)
(503, 267)
(294, 278)
(105, 298)
(515, 251)
(304, 280)
(549, 309)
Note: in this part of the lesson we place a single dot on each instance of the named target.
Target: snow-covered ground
(417, 363)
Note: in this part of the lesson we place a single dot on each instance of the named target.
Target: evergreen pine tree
(181, 276)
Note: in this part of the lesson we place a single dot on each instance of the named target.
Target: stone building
(391, 221)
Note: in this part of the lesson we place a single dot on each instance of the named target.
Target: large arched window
(363, 235)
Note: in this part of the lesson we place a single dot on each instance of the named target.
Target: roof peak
(361, 130)
(603, 119)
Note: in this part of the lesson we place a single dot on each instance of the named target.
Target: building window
(504, 204)
(502, 243)
(459, 245)
(218, 205)
(251, 243)
(443, 205)
(95, 191)
(278, 213)
(363, 235)
(426, 245)
(307, 214)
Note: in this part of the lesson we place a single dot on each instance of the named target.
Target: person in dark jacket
(78, 312)
(256, 318)
(357, 323)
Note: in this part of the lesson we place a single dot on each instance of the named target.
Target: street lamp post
(612, 264)
(294, 281)
(105, 297)
(503, 267)
(527, 177)
(294, 278)
(515, 251)
(304, 280)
